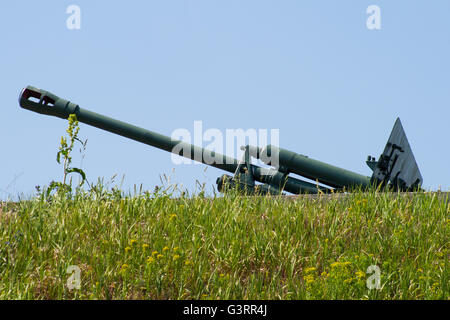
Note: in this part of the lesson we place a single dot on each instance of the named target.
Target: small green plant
(64, 157)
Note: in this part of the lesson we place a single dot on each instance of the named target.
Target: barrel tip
(21, 94)
(29, 92)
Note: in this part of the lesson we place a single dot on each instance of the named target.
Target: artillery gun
(396, 168)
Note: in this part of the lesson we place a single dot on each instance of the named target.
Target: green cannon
(396, 167)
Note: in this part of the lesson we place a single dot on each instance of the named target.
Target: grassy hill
(153, 246)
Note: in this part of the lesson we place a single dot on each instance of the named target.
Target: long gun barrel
(395, 165)
(44, 102)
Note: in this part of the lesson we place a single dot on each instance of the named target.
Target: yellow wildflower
(159, 256)
(144, 246)
(150, 260)
(335, 264)
(172, 216)
(187, 262)
(176, 257)
(165, 249)
(308, 270)
(125, 266)
(133, 241)
(154, 253)
(175, 249)
(360, 274)
(309, 279)
(127, 249)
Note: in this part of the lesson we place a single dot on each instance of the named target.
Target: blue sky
(311, 69)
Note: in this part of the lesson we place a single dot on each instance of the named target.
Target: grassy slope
(233, 247)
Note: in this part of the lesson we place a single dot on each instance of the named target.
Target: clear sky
(311, 69)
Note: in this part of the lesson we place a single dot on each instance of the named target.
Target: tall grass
(154, 246)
